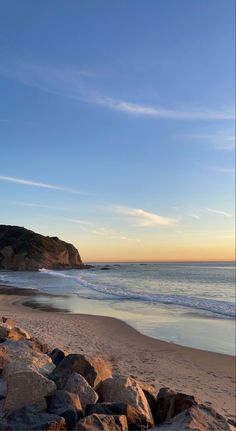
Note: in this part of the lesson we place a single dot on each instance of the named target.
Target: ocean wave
(223, 308)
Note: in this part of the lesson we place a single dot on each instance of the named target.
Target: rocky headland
(44, 388)
(24, 250)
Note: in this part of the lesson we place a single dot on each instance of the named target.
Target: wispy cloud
(219, 212)
(168, 113)
(143, 218)
(222, 169)
(73, 83)
(197, 217)
(111, 234)
(219, 139)
(33, 183)
(77, 221)
(35, 205)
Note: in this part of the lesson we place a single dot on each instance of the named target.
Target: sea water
(191, 304)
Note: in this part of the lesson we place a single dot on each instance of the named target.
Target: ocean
(191, 304)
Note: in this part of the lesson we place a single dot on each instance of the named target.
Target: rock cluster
(45, 389)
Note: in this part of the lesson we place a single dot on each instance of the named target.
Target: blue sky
(117, 125)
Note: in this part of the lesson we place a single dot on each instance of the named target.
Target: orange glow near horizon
(217, 251)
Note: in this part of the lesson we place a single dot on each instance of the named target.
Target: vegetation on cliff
(23, 249)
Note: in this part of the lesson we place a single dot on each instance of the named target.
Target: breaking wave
(223, 308)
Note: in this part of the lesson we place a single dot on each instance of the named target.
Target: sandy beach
(210, 376)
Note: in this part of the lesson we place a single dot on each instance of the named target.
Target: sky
(117, 126)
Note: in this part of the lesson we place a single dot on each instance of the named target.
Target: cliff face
(24, 250)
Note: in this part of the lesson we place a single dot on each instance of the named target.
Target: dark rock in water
(94, 371)
(105, 268)
(2, 339)
(68, 406)
(171, 403)
(196, 418)
(103, 423)
(78, 385)
(31, 419)
(57, 356)
(24, 250)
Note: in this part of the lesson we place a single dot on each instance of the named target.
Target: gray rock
(25, 374)
(3, 389)
(38, 345)
(125, 390)
(136, 419)
(94, 371)
(170, 404)
(103, 423)
(27, 388)
(57, 356)
(4, 330)
(78, 385)
(196, 418)
(68, 406)
(31, 419)
(21, 355)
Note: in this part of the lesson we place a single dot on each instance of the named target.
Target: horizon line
(161, 261)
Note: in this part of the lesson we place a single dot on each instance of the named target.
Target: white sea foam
(3, 279)
(223, 308)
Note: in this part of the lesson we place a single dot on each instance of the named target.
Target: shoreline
(208, 375)
(33, 299)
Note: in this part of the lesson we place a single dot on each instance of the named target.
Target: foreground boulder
(68, 406)
(94, 371)
(136, 419)
(103, 423)
(78, 385)
(31, 419)
(40, 346)
(127, 391)
(170, 403)
(196, 418)
(25, 374)
(31, 401)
